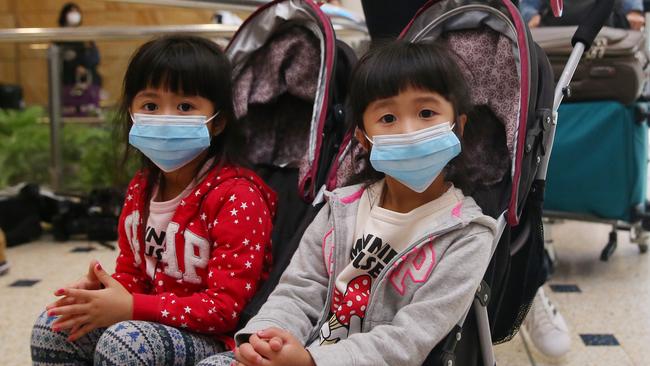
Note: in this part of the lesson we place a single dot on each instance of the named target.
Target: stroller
(511, 83)
(290, 79)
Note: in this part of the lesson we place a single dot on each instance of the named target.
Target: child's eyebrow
(383, 103)
(147, 94)
(428, 98)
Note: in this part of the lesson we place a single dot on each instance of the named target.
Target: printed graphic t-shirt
(380, 236)
(160, 214)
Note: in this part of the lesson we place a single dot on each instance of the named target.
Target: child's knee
(42, 325)
(220, 359)
(126, 332)
(119, 332)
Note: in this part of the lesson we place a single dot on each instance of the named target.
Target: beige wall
(26, 64)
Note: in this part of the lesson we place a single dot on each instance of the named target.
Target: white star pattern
(198, 192)
(129, 197)
(182, 202)
(233, 262)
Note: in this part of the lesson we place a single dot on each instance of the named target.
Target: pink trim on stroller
(267, 32)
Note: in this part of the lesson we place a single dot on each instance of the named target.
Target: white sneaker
(546, 328)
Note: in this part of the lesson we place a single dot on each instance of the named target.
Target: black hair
(393, 67)
(187, 65)
(68, 7)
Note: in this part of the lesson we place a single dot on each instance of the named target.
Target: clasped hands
(273, 347)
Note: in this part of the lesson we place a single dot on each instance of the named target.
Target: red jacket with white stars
(218, 251)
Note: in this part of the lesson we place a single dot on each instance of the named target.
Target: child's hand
(93, 308)
(87, 282)
(262, 348)
(273, 347)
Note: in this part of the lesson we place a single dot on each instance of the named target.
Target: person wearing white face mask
(80, 59)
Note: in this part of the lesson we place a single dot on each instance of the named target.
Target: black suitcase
(613, 69)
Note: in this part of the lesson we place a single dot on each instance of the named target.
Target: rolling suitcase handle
(581, 41)
(592, 24)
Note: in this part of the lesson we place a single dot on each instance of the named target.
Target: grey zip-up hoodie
(401, 325)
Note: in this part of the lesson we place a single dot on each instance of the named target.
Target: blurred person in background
(80, 59)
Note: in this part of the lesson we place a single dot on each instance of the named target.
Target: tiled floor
(613, 298)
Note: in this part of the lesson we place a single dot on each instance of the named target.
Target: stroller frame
(581, 41)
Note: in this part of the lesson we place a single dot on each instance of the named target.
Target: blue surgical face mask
(415, 159)
(170, 141)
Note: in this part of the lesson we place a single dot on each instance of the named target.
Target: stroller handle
(592, 23)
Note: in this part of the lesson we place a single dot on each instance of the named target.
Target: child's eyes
(150, 107)
(427, 113)
(185, 107)
(388, 118)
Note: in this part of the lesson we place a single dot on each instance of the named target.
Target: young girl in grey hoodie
(390, 265)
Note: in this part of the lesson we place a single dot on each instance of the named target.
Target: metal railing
(32, 35)
(52, 35)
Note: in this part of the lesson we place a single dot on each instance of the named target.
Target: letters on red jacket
(218, 252)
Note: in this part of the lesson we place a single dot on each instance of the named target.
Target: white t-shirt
(380, 235)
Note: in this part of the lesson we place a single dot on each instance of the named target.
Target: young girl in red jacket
(195, 229)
